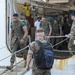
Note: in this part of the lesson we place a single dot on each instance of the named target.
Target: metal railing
(2, 47)
(27, 47)
(55, 36)
(59, 42)
(15, 53)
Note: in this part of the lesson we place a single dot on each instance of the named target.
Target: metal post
(29, 39)
(16, 63)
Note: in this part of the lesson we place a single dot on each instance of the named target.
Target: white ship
(64, 63)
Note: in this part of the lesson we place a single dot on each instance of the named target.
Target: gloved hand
(69, 36)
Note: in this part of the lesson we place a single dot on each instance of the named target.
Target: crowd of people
(52, 29)
(19, 37)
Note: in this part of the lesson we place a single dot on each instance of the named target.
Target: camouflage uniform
(46, 26)
(26, 23)
(35, 71)
(71, 45)
(17, 29)
(55, 32)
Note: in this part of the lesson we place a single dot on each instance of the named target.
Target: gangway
(60, 67)
(17, 70)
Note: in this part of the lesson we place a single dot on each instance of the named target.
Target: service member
(34, 47)
(24, 20)
(46, 26)
(18, 37)
(56, 31)
(71, 44)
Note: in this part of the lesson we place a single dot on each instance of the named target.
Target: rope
(55, 36)
(64, 57)
(2, 47)
(5, 58)
(28, 46)
(60, 42)
(14, 53)
(63, 51)
(6, 70)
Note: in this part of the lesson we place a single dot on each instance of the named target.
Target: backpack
(44, 57)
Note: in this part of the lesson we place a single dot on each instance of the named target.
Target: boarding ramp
(64, 65)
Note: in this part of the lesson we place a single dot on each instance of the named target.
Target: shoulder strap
(48, 42)
(39, 42)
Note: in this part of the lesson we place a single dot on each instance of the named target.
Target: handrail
(2, 47)
(55, 36)
(11, 69)
(17, 51)
(28, 46)
(15, 57)
(63, 51)
(60, 42)
(14, 53)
